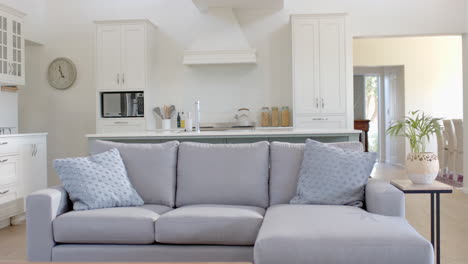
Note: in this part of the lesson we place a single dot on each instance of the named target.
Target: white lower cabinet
(112, 125)
(8, 170)
(34, 166)
(320, 121)
(23, 170)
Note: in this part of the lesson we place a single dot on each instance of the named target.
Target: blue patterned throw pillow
(333, 176)
(98, 181)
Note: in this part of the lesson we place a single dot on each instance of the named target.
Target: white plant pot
(422, 168)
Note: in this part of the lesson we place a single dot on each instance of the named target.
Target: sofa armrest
(42, 207)
(384, 198)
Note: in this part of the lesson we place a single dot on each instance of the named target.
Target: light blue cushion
(333, 176)
(98, 181)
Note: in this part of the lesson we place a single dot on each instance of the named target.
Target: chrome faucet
(197, 116)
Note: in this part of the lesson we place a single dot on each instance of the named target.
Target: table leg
(432, 220)
(366, 139)
(438, 227)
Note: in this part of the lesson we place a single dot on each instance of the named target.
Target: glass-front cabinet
(11, 47)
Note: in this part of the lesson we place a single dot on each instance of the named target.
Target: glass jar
(275, 118)
(265, 117)
(285, 122)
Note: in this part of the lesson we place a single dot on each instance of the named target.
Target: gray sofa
(222, 203)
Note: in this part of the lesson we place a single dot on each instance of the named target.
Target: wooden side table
(364, 126)
(434, 189)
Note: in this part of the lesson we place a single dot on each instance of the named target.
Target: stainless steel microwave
(122, 104)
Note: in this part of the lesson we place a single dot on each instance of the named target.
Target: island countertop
(227, 133)
(22, 135)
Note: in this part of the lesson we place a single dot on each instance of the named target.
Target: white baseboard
(18, 219)
(4, 223)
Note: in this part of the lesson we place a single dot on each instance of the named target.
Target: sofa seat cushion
(119, 225)
(304, 234)
(210, 225)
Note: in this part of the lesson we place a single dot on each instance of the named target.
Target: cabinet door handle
(34, 151)
(320, 119)
(118, 78)
(3, 143)
(123, 78)
(3, 161)
(323, 103)
(4, 192)
(316, 103)
(120, 122)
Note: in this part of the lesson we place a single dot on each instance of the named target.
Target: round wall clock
(61, 73)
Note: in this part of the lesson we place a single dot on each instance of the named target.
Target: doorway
(379, 98)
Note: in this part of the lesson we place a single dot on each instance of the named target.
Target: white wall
(34, 29)
(392, 17)
(433, 71)
(69, 31)
(9, 110)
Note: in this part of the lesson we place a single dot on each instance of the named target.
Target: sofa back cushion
(151, 168)
(230, 174)
(286, 160)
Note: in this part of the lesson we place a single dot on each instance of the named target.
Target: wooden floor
(454, 223)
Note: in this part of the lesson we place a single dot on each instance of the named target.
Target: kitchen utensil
(165, 111)
(157, 110)
(172, 110)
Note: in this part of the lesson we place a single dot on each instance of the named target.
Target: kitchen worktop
(260, 132)
(22, 135)
(231, 136)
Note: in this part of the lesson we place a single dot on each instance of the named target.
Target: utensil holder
(166, 123)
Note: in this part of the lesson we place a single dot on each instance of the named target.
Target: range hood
(223, 42)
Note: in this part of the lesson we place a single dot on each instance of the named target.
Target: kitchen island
(232, 136)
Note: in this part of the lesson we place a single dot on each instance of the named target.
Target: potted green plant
(422, 167)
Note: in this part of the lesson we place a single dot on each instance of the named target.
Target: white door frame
(370, 70)
(380, 71)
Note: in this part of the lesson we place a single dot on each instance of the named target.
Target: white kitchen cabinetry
(121, 55)
(23, 170)
(125, 62)
(33, 154)
(11, 47)
(321, 71)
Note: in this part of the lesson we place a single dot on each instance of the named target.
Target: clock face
(61, 73)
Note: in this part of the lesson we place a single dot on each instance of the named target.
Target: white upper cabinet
(108, 57)
(320, 71)
(121, 55)
(306, 36)
(133, 57)
(332, 66)
(12, 68)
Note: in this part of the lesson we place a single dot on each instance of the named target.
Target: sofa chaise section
(304, 234)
